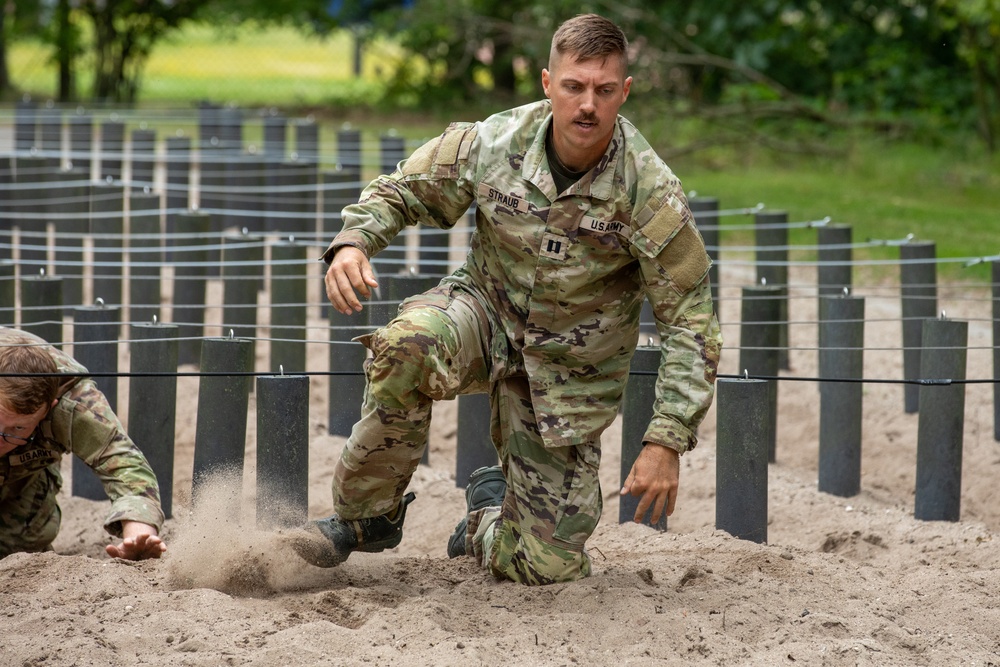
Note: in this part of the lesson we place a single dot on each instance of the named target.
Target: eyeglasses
(16, 440)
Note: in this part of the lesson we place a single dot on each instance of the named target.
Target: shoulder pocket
(443, 152)
(668, 236)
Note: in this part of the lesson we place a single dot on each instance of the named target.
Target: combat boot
(328, 542)
(487, 488)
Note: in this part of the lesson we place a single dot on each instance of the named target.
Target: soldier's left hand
(655, 477)
(140, 542)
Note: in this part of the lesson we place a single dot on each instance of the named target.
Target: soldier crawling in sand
(47, 415)
(577, 222)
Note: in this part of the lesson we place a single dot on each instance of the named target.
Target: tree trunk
(4, 73)
(502, 68)
(65, 49)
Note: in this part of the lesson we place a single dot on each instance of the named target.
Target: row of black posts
(934, 371)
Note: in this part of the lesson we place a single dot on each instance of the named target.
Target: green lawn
(884, 191)
(274, 66)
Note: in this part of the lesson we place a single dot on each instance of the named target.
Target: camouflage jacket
(563, 275)
(83, 423)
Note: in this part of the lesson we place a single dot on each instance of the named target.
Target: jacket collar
(597, 183)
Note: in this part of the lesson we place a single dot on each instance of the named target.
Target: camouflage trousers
(29, 513)
(436, 349)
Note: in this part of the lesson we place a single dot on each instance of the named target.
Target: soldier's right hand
(349, 271)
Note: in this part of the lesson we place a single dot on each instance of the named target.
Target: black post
(42, 307)
(741, 458)
(288, 307)
(178, 179)
(338, 190)
(282, 450)
(349, 150)
(835, 256)
(31, 203)
(841, 356)
(772, 268)
(474, 447)
(640, 394)
(70, 217)
(145, 257)
(434, 248)
(221, 429)
(95, 345)
(8, 293)
(918, 278)
(404, 286)
(996, 350)
(96, 330)
(347, 379)
(246, 202)
(242, 268)
(759, 341)
(152, 401)
(230, 129)
(211, 177)
(8, 211)
(307, 139)
(647, 322)
(50, 132)
(25, 124)
(143, 160)
(81, 142)
(942, 417)
(293, 206)
(391, 259)
(112, 149)
(190, 284)
(107, 224)
(382, 308)
(706, 215)
(209, 125)
(275, 135)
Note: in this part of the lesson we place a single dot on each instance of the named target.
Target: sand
(840, 581)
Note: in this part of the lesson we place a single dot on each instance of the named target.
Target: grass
(883, 189)
(252, 66)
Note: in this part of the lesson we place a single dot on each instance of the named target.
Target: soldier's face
(17, 428)
(586, 96)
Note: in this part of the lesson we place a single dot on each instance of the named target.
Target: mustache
(585, 118)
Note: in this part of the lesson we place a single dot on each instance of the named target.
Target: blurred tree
(978, 26)
(66, 37)
(21, 17)
(124, 34)
(473, 45)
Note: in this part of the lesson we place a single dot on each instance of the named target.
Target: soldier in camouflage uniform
(44, 417)
(577, 221)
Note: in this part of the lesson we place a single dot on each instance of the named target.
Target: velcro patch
(450, 143)
(420, 161)
(685, 259)
(466, 148)
(662, 224)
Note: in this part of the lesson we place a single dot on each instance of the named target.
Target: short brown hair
(26, 395)
(589, 36)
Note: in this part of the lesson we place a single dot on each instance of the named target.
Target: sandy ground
(841, 581)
